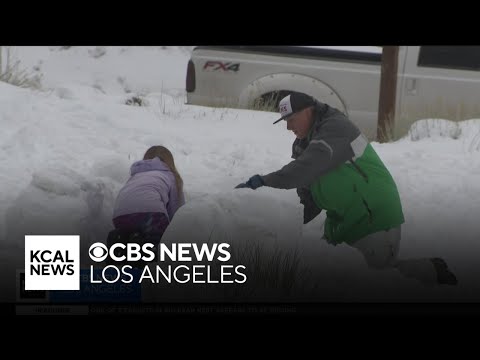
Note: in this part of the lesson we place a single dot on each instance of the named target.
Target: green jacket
(336, 169)
(356, 205)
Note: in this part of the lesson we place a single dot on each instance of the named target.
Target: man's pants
(380, 251)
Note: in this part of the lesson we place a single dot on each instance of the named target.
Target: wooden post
(388, 93)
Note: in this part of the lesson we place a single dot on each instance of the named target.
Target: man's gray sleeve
(321, 156)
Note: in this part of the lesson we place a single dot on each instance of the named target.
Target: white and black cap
(294, 103)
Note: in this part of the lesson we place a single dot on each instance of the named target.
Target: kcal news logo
(52, 262)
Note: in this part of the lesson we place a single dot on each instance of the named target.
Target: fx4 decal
(218, 65)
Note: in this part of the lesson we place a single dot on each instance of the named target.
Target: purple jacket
(151, 188)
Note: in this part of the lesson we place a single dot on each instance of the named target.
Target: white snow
(66, 150)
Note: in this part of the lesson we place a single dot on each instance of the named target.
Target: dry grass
(12, 73)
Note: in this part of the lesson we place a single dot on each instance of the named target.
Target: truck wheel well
(269, 101)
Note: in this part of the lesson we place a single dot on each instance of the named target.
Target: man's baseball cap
(294, 103)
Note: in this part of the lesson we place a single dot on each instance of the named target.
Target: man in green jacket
(336, 169)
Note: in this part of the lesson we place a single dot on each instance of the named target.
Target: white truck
(432, 81)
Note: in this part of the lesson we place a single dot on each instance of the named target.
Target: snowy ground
(65, 151)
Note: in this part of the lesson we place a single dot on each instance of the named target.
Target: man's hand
(254, 182)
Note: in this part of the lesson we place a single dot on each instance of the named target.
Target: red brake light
(190, 86)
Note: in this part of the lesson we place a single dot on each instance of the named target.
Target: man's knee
(378, 252)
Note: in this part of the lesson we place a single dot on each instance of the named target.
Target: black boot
(444, 275)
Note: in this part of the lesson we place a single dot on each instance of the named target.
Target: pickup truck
(432, 81)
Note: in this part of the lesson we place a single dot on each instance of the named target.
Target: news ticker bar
(324, 309)
(149, 309)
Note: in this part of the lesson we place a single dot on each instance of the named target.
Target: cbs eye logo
(98, 252)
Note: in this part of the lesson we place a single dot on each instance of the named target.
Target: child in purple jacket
(148, 201)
